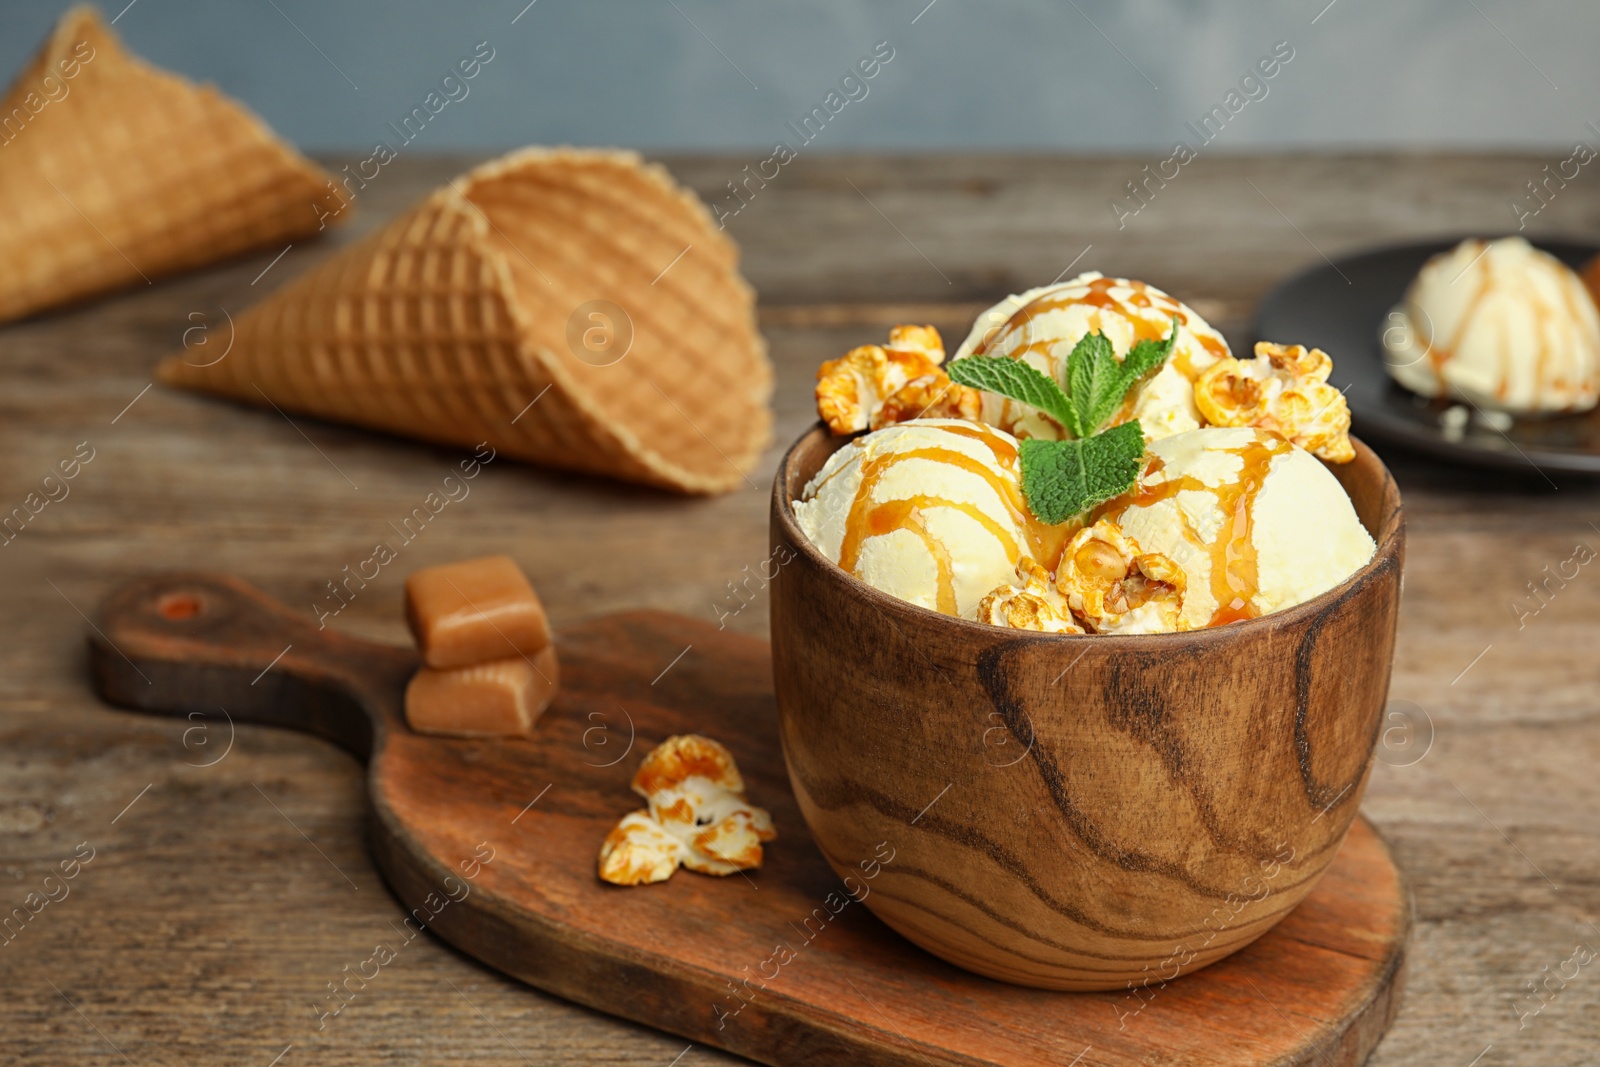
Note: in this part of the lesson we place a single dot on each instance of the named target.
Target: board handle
(184, 642)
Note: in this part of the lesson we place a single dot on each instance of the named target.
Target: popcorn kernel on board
(499, 698)
(474, 611)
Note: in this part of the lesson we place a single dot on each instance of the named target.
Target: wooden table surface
(221, 900)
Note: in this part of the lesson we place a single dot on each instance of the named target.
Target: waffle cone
(472, 318)
(114, 173)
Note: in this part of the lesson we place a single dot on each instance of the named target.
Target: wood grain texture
(751, 963)
(208, 926)
(1096, 805)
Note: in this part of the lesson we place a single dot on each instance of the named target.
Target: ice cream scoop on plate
(1501, 325)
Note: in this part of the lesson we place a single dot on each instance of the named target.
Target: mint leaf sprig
(1099, 380)
(1062, 479)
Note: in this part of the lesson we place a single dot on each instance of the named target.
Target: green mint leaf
(1062, 479)
(1099, 381)
(1146, 356)
(1094, 376)
(1018, 380)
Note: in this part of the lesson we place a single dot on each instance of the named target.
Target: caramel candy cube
(474, 611)
(503, 697)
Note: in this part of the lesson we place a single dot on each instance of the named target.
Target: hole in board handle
(179, 606)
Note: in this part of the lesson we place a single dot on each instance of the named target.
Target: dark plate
(1346, 318)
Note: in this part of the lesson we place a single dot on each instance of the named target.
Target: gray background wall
(1027, 74)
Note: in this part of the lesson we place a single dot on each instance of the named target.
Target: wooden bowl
(1079, 812)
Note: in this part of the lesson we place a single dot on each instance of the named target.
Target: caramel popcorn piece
(1036, 604)
(923, 339)
(1115, 587)
(850, 390)
(474, 611)
(733, 840)
(503, 697)
(932, 396)
(697, 817)
(1284, 389)
(638, 852)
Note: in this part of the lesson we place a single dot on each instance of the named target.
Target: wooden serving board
(492, 845)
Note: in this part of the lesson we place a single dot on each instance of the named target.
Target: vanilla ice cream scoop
(1500, 324)
(930, 511)
(1042, 325)
(1256, 523)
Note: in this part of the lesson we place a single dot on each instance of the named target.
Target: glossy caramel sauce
(1235, 575)
(868, 518)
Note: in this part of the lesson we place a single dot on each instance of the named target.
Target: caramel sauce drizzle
(1439, 355)
(868, 519)
(1235, 574)
(1005, 453)
(1546, 316)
